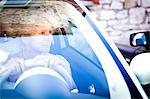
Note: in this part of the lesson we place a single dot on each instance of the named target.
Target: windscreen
(50, 33)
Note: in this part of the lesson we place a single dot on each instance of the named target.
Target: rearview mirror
(139, 39)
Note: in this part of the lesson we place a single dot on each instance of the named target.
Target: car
(55, 48)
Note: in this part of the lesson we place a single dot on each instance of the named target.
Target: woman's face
(40, 43)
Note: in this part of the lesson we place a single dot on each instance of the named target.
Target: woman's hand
(15, 66)
(4, 84)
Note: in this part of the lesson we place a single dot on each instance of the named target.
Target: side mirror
(139, 39)
(140, 65)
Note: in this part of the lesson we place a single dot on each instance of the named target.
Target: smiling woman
(30, 31)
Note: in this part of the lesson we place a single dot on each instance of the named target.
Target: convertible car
(55, 48)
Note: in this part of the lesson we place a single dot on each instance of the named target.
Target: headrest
(140, 66)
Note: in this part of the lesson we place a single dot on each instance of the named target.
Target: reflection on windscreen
(16, 2)
(34, 20)
(51, 34)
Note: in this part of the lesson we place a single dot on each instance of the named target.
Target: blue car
(55, 48)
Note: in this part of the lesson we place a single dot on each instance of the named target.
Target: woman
(30, 32)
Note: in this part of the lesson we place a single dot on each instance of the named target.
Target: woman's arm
(10, 69)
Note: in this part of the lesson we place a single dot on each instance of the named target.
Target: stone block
(146, 3)
(122, 14)
(116, 5)
(130, 3)
(137, 15)
(107, 15)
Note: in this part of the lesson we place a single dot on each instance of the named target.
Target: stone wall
(120, 16)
